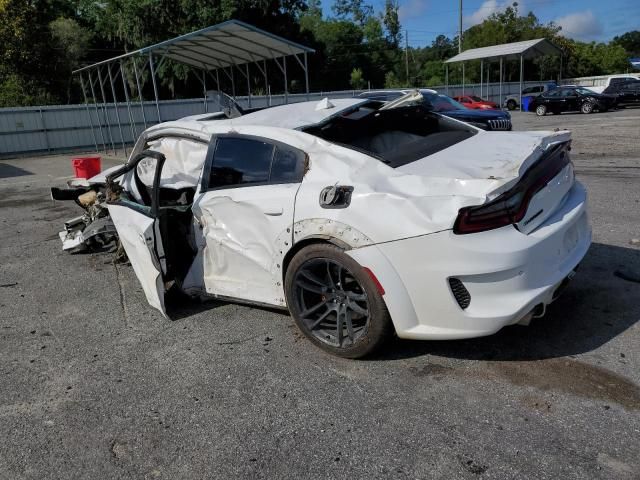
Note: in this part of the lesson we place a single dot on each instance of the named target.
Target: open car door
(137, 223)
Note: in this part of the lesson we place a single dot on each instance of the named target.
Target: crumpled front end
(94, 228)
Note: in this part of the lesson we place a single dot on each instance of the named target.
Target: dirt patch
(561, 375)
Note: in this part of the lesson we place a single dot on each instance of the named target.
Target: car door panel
(137, 233)
(138, 227)
(245, 229)
(246, 232)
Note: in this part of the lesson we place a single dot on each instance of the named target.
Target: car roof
(298, 115)
(291, 116)
(397, 90)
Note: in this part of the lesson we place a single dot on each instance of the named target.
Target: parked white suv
(513, 101)
(612, 80)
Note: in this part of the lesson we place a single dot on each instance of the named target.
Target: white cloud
(412, 8)
(580, 25)
(487, 8)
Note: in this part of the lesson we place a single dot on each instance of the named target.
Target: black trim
(155, 198)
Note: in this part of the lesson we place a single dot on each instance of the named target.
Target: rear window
(397, 136)
(616, 81)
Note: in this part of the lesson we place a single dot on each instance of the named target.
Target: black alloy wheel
(335, 303)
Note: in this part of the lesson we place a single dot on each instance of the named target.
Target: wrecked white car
(362, 220)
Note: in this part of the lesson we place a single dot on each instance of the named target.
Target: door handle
(273, 212)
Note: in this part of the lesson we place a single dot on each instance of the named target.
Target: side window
(465, 100)
(239, 161)
(288, 166)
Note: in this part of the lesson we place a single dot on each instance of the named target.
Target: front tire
(335, 303)
(541, 110)
(587, 107)
(511, 104)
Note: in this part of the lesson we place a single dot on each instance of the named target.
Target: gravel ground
(96, 384)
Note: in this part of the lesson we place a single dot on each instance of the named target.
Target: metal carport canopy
(509, 51)
(223, 45)
(505, 51)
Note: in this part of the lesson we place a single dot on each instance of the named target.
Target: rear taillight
(511, 206)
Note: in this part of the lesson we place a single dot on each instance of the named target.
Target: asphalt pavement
(94, 383)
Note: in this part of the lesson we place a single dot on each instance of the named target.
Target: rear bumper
(507, 273)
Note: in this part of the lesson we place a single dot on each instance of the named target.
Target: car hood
(496, 157)
(480, 115)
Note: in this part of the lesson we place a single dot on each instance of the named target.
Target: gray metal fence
(114, 128)
(107, 127)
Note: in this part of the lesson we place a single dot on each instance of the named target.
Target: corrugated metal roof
(223, 45)
(528, 48)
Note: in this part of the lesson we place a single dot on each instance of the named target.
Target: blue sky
(584, 20)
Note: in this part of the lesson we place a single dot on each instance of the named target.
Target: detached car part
(93, 230)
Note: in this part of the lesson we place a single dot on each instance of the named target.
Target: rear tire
(587, 107)
(335, 303)
(541, 110)
(511, 104)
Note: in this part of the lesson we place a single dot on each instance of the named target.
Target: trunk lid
(503, 159)
(487, 155)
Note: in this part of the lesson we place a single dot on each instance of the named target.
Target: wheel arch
(310, 240)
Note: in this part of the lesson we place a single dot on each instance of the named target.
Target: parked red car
(474, 102)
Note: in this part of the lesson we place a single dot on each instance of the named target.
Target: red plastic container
(86, 167)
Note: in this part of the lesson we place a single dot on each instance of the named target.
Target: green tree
(630, 41)
(71, 42)
(354, 10)
(392, 81)
(392, 22)
(28, 55)
(357, 81)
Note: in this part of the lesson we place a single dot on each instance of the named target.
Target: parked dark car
(627, 93)
(483, 119)
(571, 99)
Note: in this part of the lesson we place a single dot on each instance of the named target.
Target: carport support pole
(248, 83)
(446, 78)
(266, 83)
(140, 99)
(286, 82)
(132, 126)
(86, 104)
(463, 79)
(521, 75)
(488, 83)
(106, 112)
(155, 86)
(481, 74)
(204, 88)
(306, 75)
(500, 90)
(115, 104)
(233, 83)
(95, 104)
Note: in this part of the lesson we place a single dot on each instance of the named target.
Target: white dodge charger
(363, 219)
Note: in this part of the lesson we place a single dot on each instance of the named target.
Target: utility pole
(460, 29)
(406, 54)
